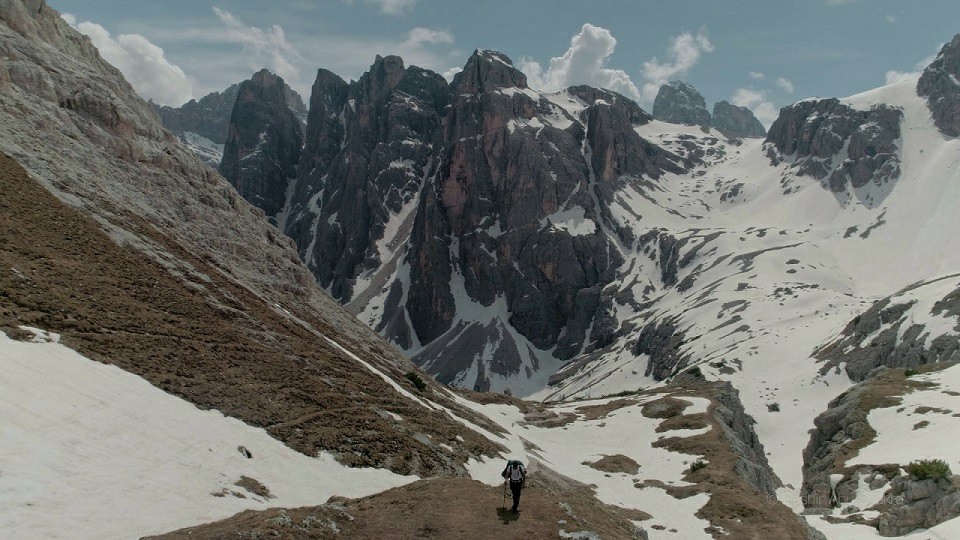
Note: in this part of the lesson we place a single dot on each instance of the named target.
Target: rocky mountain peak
(488, 70)
(264, 142)
(679, 102)
(734, 121)
(939, 84)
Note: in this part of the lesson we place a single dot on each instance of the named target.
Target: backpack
(514, 471)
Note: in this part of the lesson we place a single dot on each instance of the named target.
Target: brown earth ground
(436, 508)
(194, 332)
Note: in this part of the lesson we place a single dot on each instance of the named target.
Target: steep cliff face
(203, 125)
(940, 86)
(368, 147)
(469, 220)
(263, 144)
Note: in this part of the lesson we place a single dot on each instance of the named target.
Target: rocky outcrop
(751, 464)
(679, 102)
(896, 339)
(369, 145)
(208, 117)
(734, 121)
(913, 504)
(841, 146)
(263, 145)
(908, 503)
(661, 341)
(939, 84)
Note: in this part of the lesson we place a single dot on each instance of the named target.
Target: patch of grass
(695, 371)
(697, 465)
(932, 469)
(910, 372)
(416, 380)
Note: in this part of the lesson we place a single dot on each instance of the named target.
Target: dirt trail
(434, 508)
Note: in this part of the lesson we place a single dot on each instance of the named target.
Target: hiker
(516, 474)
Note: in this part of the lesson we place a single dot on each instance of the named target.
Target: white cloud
(421, 36)
(268, 47)
(143, 64)
(450, 73)
(785, 84)
(756, 75)
(684, 53)
(891, 19)
(583, 63)
(893, 76)
(393, 7)
(756, 101)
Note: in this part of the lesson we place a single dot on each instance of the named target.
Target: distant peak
(493, 55)
(486, 70)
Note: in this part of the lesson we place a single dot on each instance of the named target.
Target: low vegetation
(929, 469)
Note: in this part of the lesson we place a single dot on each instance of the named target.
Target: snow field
(88, 450)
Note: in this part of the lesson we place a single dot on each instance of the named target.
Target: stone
(814, 133)
(734, 121)
(938, 83)
(679, 102)
(264, 143)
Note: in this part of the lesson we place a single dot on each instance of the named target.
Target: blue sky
(762, 54)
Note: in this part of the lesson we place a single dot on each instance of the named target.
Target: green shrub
(910, 372)
(695, 371)
(933, 469)
(697, 465)
(416, 380)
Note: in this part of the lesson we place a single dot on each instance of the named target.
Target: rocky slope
(142, 257)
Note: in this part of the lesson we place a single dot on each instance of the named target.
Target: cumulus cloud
(893, 76)
(757, 76)
(143, 64)
(267, 46)
(785, 84)
(684, 52)
(756, 101)
(583, 63)
(426, 36)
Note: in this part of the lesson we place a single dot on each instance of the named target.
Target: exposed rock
(734, 121)
(913, 504)
(208, 117)
(738, 430)
(813, 134)
(264, 143)
(895, 340)
(368, 148)
(939, 84)
(679, 102)
(662, 342)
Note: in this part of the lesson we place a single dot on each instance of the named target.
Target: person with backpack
(516, 475)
